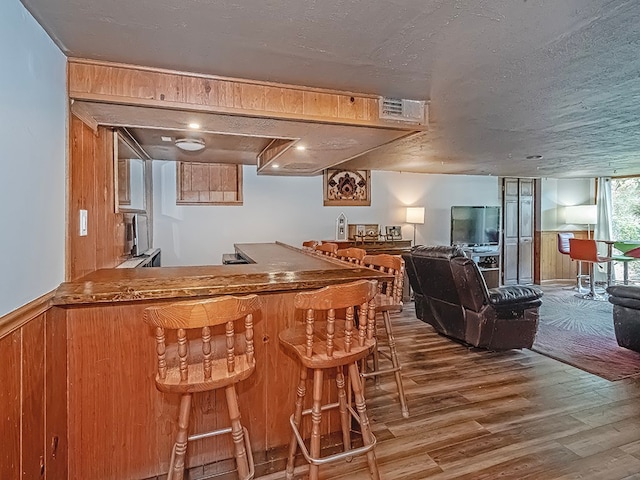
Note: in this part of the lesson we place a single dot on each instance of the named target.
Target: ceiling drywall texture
(506, 79)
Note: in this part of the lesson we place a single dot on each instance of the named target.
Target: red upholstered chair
(587, 251)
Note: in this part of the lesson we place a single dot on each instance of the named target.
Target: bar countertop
(277, 267)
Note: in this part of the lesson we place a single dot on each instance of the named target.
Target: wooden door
(518, 221)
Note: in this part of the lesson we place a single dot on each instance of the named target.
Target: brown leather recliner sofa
(451, 295)
(626, 315)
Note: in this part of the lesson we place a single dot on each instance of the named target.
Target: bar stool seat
(188, 365)
(332, 344)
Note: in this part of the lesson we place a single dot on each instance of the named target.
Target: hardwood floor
(485, 415)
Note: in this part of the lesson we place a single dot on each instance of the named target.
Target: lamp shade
(415, 215)
(581, 214)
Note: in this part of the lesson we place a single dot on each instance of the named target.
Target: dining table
(630, 251)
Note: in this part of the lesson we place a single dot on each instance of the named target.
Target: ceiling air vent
(402, 110)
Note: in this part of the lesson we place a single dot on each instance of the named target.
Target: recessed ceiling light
(166, 139)
(534, 157)
(194, 125)
(190, 144)
(301, 147)
(275, 165)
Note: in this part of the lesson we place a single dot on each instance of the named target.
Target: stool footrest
(213, 433)
(336, 456)
(380, 372)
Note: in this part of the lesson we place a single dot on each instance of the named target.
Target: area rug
(580, 333)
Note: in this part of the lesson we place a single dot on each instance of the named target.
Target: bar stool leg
(361, 408)
(237, 432)
(396, 363)
(376, 364)
(345, 417)
(297, 419)
(176, 469)
(316, 417)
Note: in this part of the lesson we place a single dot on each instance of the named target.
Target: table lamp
(581, 215)
(415, 216)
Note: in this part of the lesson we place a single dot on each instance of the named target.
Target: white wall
(289, 209)
(559, 193)
(32, 183)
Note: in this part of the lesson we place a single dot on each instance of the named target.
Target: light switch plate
(83, 223)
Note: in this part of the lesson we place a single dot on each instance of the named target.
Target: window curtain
(603, 226)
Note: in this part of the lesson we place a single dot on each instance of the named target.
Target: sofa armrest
(626, 291)
(514, 294)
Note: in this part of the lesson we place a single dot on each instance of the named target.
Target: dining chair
(586, 250)
(564, 248)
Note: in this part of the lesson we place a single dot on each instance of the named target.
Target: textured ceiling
(506, 79)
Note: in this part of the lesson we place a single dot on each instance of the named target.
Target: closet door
(518, 221)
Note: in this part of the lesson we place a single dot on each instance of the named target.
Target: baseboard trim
(23, 315)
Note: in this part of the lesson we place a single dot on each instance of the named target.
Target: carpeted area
(580, 333)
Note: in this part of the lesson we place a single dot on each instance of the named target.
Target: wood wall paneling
(33, 357)
(10, 405)
(553, 264)
(55, 393)
(33, 416)
(91, 187)
(135, 85)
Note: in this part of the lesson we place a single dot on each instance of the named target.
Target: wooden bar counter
(119, 425)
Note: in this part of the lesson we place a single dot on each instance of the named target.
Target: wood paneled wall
(91, 188)
(136, 85)
(553, 264)
(33, 399)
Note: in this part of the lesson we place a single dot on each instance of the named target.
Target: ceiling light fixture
(195, 126)
(301, 147)
(190, 144)
(275, 165)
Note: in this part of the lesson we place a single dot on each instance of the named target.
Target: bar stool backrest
(564, 243)
(582, 249)
(202, 361)
(394, 265)
(328, 248)
(352, 255)
(309, 244)
(329, 299)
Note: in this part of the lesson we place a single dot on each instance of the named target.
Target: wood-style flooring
(478, 415)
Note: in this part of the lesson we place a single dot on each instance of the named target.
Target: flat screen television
(141, 241)
(475, 226)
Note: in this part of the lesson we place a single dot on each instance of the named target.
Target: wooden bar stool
(351, 255)
(388, 299)
(188, 366)
(332, 344)
(328, 248)
(309, 244)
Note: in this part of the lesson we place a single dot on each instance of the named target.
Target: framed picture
(393, 232)
(347, 187)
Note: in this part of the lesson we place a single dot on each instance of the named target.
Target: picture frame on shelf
(393, 232)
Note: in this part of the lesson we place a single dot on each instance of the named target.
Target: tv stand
(488, 260)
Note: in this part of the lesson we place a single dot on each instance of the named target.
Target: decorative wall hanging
(347, 187)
